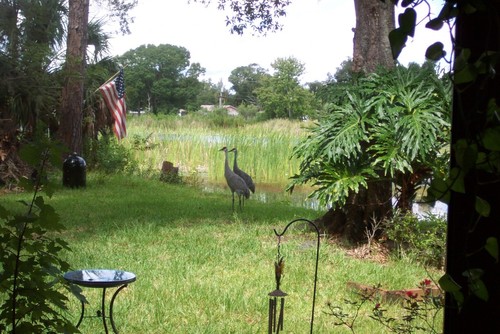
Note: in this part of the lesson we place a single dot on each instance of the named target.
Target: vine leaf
(479, 289)
(406, 3)
(457, 179)
(482, 207)
(465, 74)
(397, 38)
(435, 24)
(407, 21)
(491, 139)
(492, 247)
(439, 190)
(448, 284)
(435, 51)
(476, 284)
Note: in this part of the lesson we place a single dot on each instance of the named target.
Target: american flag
(113, 93)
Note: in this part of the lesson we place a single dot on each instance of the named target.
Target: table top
(99, 278)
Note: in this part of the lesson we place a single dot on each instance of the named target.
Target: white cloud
(316, 32)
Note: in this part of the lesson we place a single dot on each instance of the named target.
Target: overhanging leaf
(457, 179)
(406, 3)
(407, 21)
(491, 247)
(448, 284)
(434, 24)
(479, 289)
(435, 52)
(397, 38)
(482, 207)
(491, 138)
(466, 74)
(439, 190)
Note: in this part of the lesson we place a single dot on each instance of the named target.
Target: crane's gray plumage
(235, 182)
(247, 178)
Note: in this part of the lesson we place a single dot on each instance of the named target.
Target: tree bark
(468, 232)
(71, 112)
(374, 21)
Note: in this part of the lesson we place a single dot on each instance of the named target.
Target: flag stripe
(116, 105)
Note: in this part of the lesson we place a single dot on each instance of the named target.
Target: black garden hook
(280, 259)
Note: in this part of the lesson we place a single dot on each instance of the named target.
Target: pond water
(272, 193)
(269, 193)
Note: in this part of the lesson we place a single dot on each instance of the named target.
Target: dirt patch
(375, 252)
(395, 295)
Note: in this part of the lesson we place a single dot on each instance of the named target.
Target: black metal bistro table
(101, 278)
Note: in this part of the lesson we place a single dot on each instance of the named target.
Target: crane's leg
(233, 201)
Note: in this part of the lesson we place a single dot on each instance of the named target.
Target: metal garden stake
(276, 312)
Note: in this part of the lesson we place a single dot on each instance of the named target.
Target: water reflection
(272, 193)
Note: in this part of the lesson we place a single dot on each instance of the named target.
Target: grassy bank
(202, 268)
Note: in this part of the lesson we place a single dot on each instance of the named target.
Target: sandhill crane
(235, 182)
(247, 178)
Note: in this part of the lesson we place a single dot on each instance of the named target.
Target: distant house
(208, 107)
(231, 111)
(138, 112)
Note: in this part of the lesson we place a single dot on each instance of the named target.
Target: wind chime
(277, 297)
(275, 314)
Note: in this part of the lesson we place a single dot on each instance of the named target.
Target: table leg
(111, 307)
(81, 315)
(103, 314)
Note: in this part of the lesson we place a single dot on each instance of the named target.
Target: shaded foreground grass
(202, 268)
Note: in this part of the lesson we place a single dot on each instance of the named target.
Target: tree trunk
(374, 21)
(71, 113)
(372, 49)
(468, 232)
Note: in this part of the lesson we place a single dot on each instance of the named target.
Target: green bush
(249, 111)
(32, 291)
(107, 155)
(421, 239)
(219, 118)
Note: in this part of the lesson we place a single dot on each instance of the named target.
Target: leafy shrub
(108, 156)
(31, 284)
(219, 118)
(424, 240)
(249, 111)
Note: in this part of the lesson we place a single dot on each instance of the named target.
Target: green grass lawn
(202, 268)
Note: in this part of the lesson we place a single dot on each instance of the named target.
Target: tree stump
(169, 173)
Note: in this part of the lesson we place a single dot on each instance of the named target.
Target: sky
(318, 33)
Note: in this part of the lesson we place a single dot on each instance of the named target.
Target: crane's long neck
(226, 164)
(235, 164)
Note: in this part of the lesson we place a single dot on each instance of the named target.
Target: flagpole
(107, 81)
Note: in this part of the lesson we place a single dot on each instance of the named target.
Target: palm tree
(31, 33)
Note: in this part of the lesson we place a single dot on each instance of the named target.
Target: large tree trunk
(71, 113)
(371, 47)
(374, 21)
(468, 232)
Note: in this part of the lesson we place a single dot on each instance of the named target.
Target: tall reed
(265, 148)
